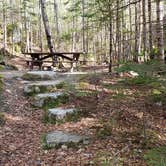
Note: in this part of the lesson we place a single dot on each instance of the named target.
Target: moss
(52, 103)
(158, 95)
(141, 80)
(2, 67)
(70, 117)
(104, 131)
(1, 83)
(147, 68)
(156, 156)
(61, 85)
(35, 77)
(2, 119)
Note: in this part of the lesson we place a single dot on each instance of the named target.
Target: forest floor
(121, 116)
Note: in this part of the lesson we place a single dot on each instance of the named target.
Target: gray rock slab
(40, 99)
(63, 138)
(60, 113)
(39, 75)
(38, 86)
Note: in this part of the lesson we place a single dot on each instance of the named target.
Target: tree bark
(144, 28)
(56, 23)
(46, 26)
(150, 28)
(111, 46)
(158, 30)
(4, 27)
(47, 31)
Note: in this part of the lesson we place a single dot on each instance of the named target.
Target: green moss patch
(2, 119)
(156, 156)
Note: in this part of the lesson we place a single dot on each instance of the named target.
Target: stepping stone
(39, 75)
(41, 86)
(59, 113)
(41, 99)
(59, 138)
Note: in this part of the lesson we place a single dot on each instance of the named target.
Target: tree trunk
(136, 33)
(144, 29)
(40, 29)
(111, 45)
(164, 36)
(150, 28)
(56, 23)
(158, 30)
(47, 30)
(118, 31)
(46, 26)
(4, 27)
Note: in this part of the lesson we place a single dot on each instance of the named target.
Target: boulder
(59, 138)
(40, 86)
(59, 113)
(39, 75)
(41, 99)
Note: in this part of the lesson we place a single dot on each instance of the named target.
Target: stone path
(55, 138)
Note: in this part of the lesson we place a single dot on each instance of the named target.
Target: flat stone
(40, 99)
(39, 75)
(58, 138)
(39, 86)
(60, 113)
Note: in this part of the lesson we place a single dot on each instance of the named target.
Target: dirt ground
(21, 136)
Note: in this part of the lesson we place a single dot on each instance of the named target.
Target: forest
(83, 83)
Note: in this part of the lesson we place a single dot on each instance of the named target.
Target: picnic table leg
(31, 66)
(72, 67)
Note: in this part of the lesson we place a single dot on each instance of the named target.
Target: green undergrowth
(158, 95)
(53, 103)
(141, 81)
(147, 68)
(106, 158)
(2, 67)
(156, 156)
(1, 83)
(2, 119)
(62, 85)
(105, 129)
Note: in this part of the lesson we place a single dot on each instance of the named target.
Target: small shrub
(156, 156)
(61, 85)
(141, 80)
(147, 68)
(104, 131)
(158, 95)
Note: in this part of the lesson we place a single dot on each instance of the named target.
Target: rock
(39, 75)
(133, 73)
(40, 99)
(159, 104)
(40, 86)
(64, 147)
(59, 113)
(59, 138)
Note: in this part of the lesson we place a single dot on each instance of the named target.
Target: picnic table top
(49, 53)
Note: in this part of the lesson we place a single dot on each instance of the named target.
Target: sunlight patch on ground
(13, 118)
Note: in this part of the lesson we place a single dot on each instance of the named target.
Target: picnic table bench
(38, 58)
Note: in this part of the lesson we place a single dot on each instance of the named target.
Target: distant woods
(110, 31)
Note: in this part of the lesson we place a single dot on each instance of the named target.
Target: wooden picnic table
(38, 58)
